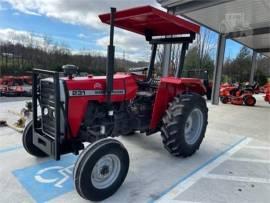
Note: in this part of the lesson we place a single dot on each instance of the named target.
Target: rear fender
(170, 87)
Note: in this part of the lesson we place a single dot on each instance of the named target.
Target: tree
(52, 56)
(260, 77)
(238, 70)
(193, 61)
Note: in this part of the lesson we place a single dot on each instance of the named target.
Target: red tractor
(236, 95)
(204, 76)
(16, 86)
(94, 109)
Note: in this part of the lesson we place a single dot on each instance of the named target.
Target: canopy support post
(253, 67)
(167, 53)
(218, 68)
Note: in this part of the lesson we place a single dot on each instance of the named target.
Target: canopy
(245, 21)
(149, 19)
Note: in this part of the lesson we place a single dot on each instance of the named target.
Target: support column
(253, 67)
(166, 59)
(167, 55)
(218, 68)
(180, 66)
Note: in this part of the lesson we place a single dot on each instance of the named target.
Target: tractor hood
(124, 87)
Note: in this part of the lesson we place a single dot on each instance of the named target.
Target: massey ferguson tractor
(69, 111)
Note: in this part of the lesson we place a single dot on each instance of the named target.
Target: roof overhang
(245, 21)
(147, 19)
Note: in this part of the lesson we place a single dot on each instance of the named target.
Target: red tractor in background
(16, 86)
(236, 95)
(204, 76)
(77, 110)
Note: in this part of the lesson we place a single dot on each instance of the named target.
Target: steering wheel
(153, 83)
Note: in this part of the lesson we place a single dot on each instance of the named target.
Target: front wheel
(101, 169)
(184, 125)
(27, 140)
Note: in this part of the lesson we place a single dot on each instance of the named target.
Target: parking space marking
(49, 179)
(179, 201)
(186, 182)
(257, 147)
(263, 161)
(8, 149)
(238, 178)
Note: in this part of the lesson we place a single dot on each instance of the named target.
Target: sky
(75, 24)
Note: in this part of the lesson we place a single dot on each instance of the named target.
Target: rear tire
(184, 125)
(101, 169)
(224, 100)
(209, 93)
(27, 140)
(249, 100)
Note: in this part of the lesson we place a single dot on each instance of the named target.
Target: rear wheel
(184, 125)
(249, 100)
(224, 100)
(209, 93)
(27, 140)
(101, 169)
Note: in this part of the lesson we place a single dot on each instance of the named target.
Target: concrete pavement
(232, 164)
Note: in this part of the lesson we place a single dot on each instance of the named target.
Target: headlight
(45, 111)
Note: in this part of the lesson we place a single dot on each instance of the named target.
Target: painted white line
(263, 161)
(179, 201)
(238, 178)
(257, 147)
(182, 186)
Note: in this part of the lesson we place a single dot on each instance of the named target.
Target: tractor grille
(47, 103)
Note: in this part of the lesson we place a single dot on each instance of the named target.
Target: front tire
(184, 125)
(101, 169)
(27, 140)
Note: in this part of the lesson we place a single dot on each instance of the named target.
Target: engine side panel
(168, 88)
(83, 90)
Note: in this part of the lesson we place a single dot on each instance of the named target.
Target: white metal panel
(234, 15)
(267, 54)
(226, 16)
(256, 41)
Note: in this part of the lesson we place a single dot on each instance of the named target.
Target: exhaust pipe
(110, 59)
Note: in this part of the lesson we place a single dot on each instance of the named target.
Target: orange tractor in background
(237, 95)
(267, 92)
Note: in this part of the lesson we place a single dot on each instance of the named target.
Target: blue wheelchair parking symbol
(49, 179)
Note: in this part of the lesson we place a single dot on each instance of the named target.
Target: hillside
(17, 59)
